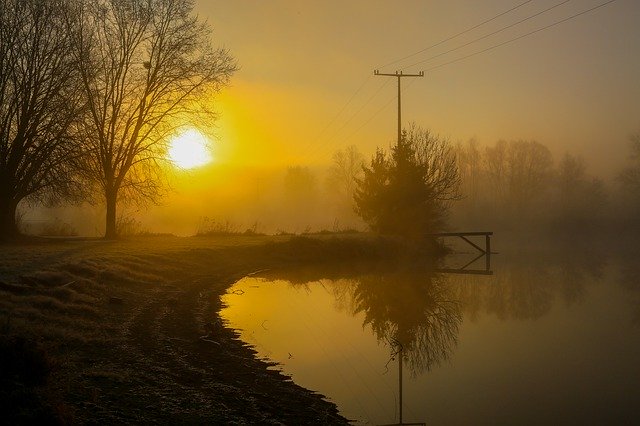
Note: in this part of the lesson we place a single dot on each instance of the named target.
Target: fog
(217, 198)
(484, 213)
(507, 186)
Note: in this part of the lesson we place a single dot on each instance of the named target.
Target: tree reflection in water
(422, 310)
(415, 311)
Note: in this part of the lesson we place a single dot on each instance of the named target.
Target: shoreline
(132, 331)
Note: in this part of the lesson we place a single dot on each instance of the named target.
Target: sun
(189, 149)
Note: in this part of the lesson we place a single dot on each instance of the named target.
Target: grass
(57, 314)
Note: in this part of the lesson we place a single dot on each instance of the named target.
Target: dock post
(487, 247)
(400, 383)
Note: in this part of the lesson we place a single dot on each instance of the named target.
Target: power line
(347, 104)
(364, 105)
(399, 60)
(357, 130)
(367, 121)
(343, 107)
(522, 36)
(335, 117)
(315, 149)
(490, 34)
(376, 113)
(457, 35)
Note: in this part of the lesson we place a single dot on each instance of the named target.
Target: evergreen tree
(408, 191)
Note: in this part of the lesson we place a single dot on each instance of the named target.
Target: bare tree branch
(38, 105)
(143, 64)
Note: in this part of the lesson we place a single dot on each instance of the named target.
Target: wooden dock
(484, 252)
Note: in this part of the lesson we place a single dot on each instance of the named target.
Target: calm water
(542, 341)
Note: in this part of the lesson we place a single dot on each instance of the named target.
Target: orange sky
(573, 87)
(306, 88)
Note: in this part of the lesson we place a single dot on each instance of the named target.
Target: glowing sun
(189, 149)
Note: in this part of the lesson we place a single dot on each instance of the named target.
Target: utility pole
(399, 75)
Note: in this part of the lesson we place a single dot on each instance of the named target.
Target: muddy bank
(130, 331)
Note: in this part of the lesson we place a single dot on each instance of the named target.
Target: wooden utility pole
(399, 75)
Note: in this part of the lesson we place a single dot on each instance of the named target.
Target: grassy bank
(127, 331)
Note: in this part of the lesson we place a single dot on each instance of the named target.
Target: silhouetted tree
(343, 177)
(469, 159)
(629, 178)
(37, 105)
(519, 172)
(581, 199)
(571, 173)
(408, 192)
(147, 67)
(628, 213)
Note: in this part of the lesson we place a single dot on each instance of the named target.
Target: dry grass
(103, 311)
(127, 317)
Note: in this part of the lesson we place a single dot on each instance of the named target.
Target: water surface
(538, 342)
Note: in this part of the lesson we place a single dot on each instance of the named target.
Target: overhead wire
(375, 114)
(490, 34)
(457, 35)
(315, 148)
(347, 103)
(352, 97)
(561, 21)
(335, 117)
(326, 147)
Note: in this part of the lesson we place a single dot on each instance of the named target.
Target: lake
(546, 339)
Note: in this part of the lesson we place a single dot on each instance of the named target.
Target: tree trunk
(8, 226)
(111, 231)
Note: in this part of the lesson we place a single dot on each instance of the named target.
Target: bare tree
(628, 213)
(344, 174)
(519, 173)
(579, 207)
(629, 178)
(470, 166)
(495, 165)
(571, 177)
(438, 161)
(37, 105)
(147, 67)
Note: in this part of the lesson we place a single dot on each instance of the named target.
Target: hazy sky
(574, 87)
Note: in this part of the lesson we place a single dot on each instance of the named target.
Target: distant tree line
(517, 185)
(425, 184)
(406, 191)
(89, 92)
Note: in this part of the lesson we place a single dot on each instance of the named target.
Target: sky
(306, 87)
